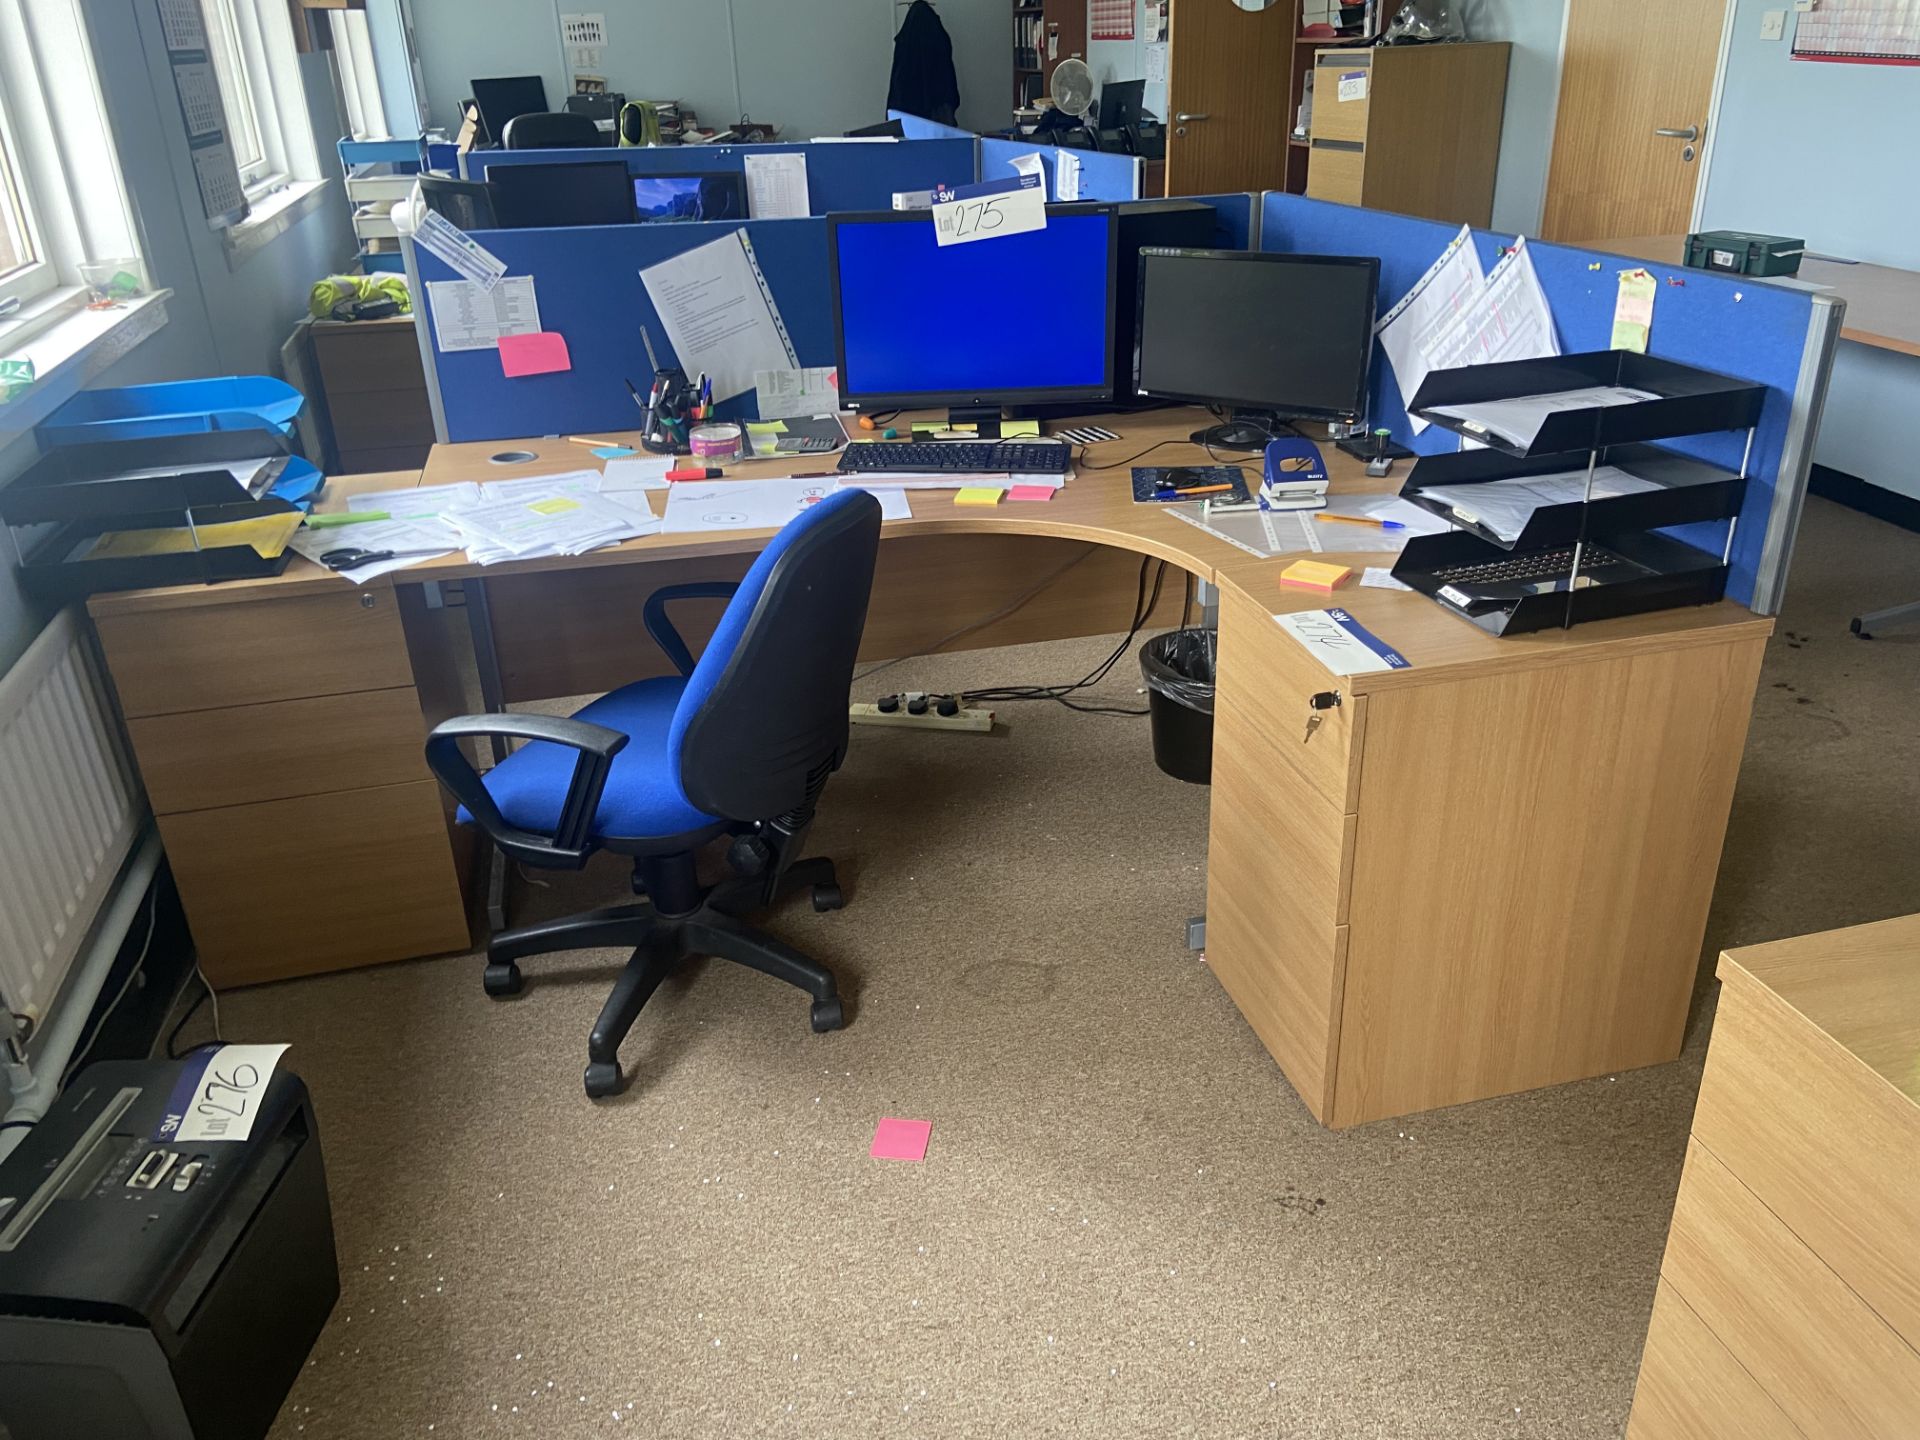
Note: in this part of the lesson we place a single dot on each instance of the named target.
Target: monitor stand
(986, 419)
(1248, 430)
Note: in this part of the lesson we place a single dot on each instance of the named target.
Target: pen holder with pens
(669, 413)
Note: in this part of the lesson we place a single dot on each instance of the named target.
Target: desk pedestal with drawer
(1789, 1299)
(1476, 876)
(281, 743)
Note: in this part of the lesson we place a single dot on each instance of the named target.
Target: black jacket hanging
(923, 81)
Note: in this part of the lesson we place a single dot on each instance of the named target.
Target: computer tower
(159, 1289)
(1159, 224)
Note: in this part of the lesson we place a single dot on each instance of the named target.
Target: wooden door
(1227, 70)
(1632, 71)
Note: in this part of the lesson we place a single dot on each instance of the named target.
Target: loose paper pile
(522, 519)
(1458, 315)
(694, 506)
(1505, 506)
(1517, 420)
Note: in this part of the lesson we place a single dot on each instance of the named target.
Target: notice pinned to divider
(468, 316)
(459, 251)
(1633, 310)
(990, 211)
(1066, 175)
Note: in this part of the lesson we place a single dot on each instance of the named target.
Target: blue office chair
(740, 743)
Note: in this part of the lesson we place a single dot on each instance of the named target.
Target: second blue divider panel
(587, 283)
(1731, 324)
(851, 175)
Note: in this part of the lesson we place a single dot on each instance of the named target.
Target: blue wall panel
(1102, 176)
(855, 175)
(587, 282)
(1734, 325)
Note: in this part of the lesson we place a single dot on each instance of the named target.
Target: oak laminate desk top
(1097, 506)
(1883, 303)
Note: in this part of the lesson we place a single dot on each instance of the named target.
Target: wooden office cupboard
(1526, 846)
(1792, 1271)
(1418, 131)
(281, 741)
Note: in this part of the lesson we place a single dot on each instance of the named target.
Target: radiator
(71, 805)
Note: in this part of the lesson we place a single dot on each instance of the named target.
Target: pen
(1196, 490)
(1359, 520)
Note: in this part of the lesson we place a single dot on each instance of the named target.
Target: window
(251, 45)
(359, 82)
(17, 249)
(61, 198)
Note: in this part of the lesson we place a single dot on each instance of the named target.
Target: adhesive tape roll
(715, 441)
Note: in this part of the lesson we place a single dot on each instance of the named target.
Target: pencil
(1196, 490)
(1327, 519)
(603, 444)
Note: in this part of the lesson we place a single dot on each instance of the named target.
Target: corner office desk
(1484, 874)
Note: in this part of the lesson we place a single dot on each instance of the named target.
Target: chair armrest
(569, 844)
(654, 616)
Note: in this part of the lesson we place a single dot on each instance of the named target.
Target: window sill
(272, 218)
(73, 351)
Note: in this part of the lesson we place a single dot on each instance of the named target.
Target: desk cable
(1144, 603)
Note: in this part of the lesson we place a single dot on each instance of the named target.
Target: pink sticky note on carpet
(1030, 492)
(542, 353)
(901, 1139)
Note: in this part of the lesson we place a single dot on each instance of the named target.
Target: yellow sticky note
(766, 427)
(559, 505)
(1019, 429)
(1633, 310)
(267, 534)
(979, 495)
(1314, 575)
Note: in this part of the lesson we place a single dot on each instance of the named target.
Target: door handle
(1183, 119)
(1692, 132)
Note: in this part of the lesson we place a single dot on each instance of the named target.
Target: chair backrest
(553, 131)
(763, 720)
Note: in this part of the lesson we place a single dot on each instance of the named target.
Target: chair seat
(642, 799)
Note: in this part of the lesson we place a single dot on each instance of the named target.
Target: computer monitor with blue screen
(1021, 320)
(689, 197)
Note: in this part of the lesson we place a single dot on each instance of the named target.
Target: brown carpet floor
(1126, 1224)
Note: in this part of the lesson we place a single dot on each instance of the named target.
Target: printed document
(719, 314)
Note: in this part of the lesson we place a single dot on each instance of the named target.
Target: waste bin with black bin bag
(1178, 667)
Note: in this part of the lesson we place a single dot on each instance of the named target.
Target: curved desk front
(1483, 874)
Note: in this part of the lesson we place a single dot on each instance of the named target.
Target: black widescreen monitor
(1021, 319)
(689, 197)
(594, 192)
(1283, 336)
(505, 98)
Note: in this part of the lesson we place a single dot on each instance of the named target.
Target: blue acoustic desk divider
(588, 287)
(849, 175)
(1235, 214)
(917, 127)
(1102, 176)
(1739, 326)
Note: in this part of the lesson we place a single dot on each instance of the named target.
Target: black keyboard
(1540, 565)
(957, 457)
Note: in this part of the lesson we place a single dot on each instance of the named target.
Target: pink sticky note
(542, 353)
(901, 1139)
(1030, 492)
